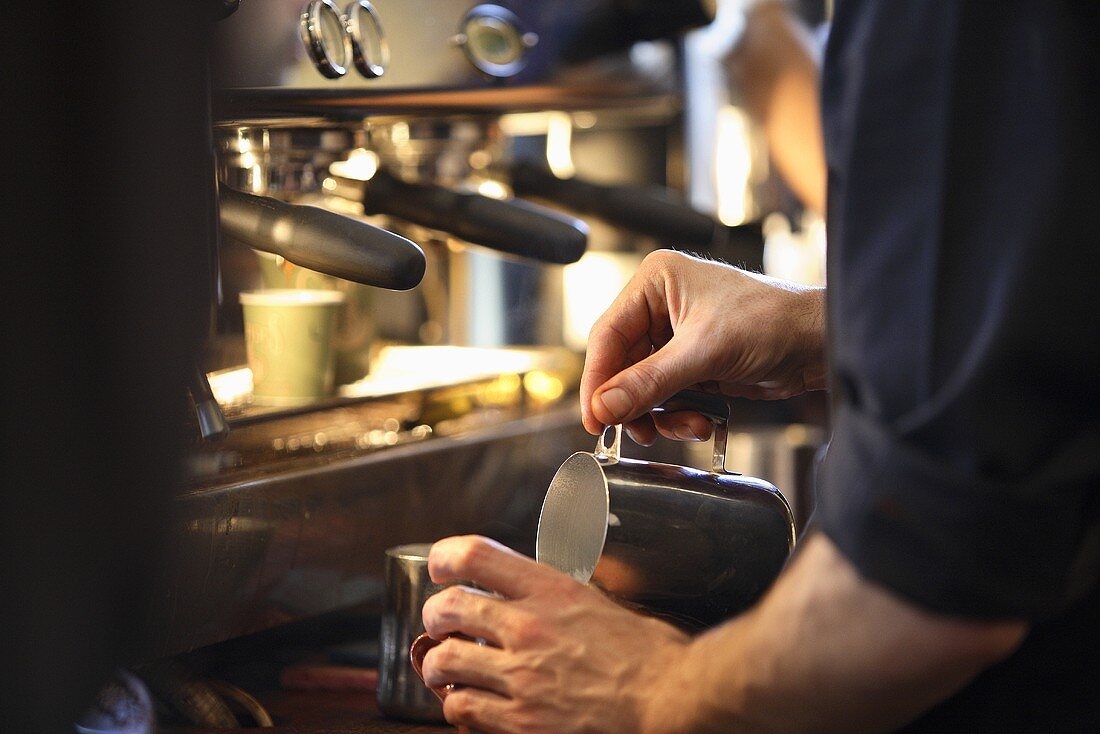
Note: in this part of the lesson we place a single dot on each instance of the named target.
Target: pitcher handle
(714, 407)
(417, 651)
(605, 453)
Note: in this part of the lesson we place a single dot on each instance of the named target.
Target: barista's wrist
(810, 331)
(665, 682)
(684, 699)
(797, 332)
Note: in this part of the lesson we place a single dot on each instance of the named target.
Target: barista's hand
(682, 321)
(563, 658)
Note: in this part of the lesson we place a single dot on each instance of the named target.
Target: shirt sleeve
(954, 541)
(964, 467)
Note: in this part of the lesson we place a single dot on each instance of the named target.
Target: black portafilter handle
(512, 226)
(321, 240)
(651, 211)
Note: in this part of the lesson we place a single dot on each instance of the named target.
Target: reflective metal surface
(784, 455)
(692, 546)
(369, 46)
(495, 41)
(323, 241)
(274, 548)
(433, 57)
(324, 37)
(523, 40)
(401, 693)
(410, 394)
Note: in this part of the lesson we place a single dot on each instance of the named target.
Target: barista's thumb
(645, 384)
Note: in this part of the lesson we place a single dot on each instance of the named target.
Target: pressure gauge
(325, 38)
(494, 40)
(368, 41)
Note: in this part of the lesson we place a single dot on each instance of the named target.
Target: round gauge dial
(368, 41)
(325, 38)
(494, 40)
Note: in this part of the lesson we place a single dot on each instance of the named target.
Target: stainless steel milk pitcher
(692, 546)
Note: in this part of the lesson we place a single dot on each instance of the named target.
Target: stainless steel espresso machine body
(378, 109)
(312, 54)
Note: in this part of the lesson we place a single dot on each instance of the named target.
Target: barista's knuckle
(431, 608)
(464, 554)
(659, 260)
(459, 707)
(648, 378)
(450, 603)
(477, 550)
(443, 656)
(667, 262)
(432, 669)
(441, 558)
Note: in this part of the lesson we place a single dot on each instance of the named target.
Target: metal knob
(325, 38)
(369, 47)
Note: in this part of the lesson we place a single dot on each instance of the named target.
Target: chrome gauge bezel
(363, 23)
(332, 63)
(501, 21)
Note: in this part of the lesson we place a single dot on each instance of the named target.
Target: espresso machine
(478, 180)
(445, 122)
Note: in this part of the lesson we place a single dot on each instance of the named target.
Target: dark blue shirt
(963, 143)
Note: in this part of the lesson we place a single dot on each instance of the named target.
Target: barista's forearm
(826, 651)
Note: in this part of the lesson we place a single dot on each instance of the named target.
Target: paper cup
(289, 342)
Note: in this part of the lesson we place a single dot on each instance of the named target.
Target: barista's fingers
(479, 709)
(489, 564)
(618, 339)
(684, 425)
(606, 355)
(650, 382)
(464, 610)
(641, 430)
(465, 663)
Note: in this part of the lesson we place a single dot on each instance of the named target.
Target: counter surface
(302, 712)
